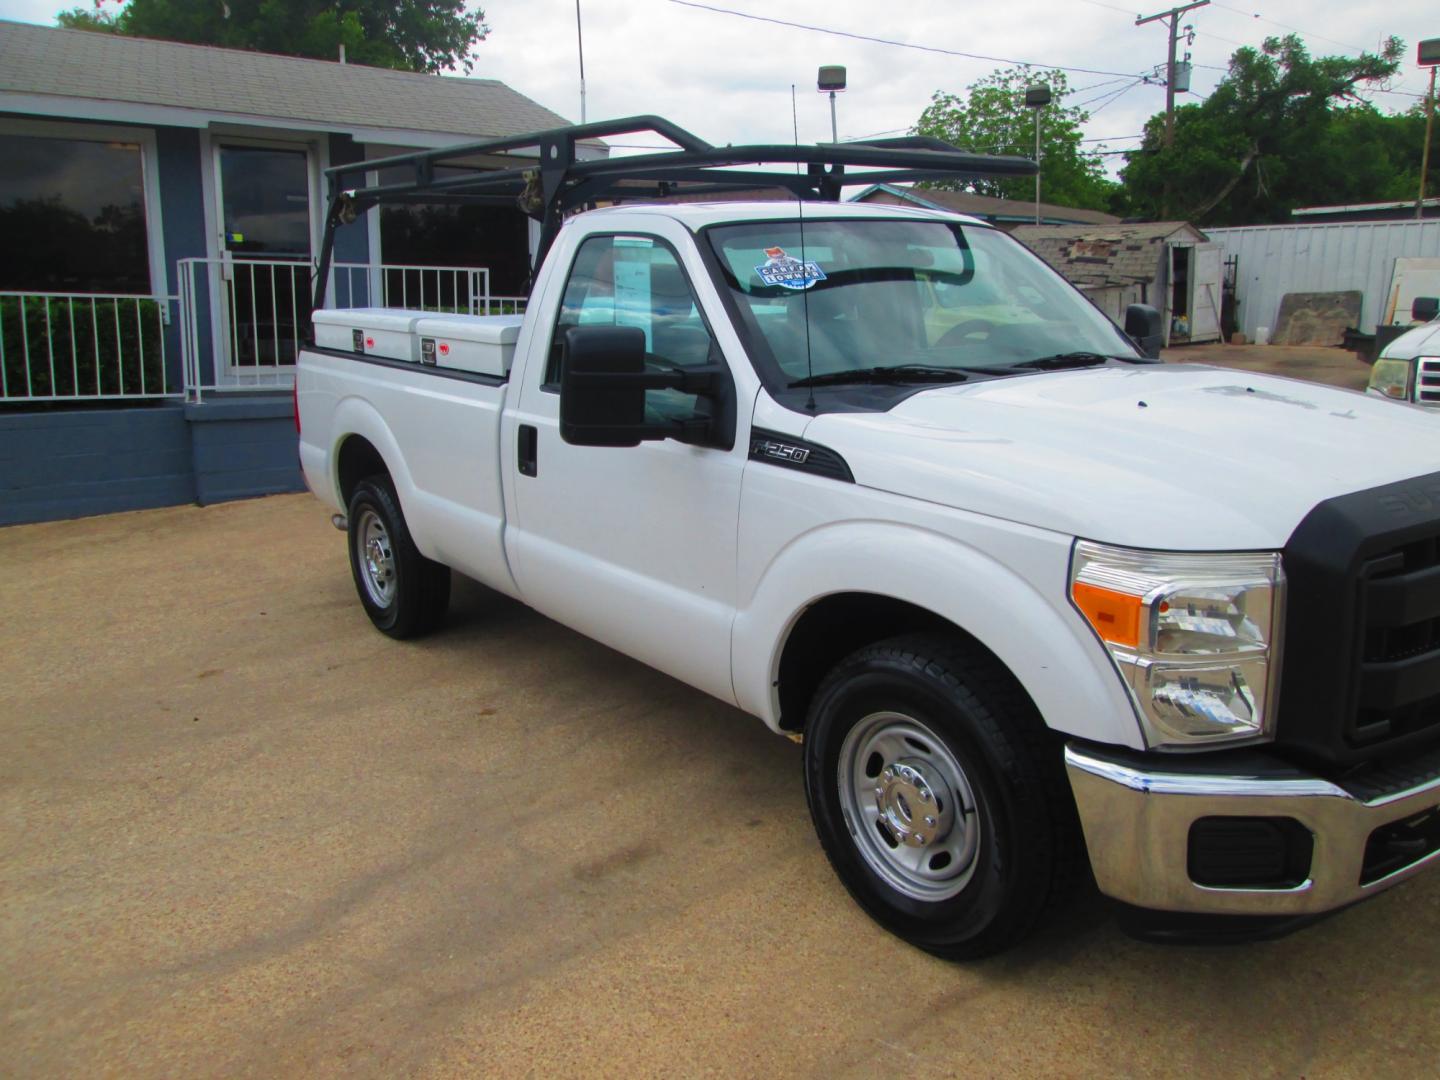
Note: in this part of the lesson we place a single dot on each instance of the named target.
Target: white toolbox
(385, 332)
(483, 344)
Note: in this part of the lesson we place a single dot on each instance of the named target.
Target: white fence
(244, 320)
(83, 346)
(238, 324)
(1332, 257)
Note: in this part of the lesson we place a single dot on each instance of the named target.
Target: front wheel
(939, 795)
(404, 593)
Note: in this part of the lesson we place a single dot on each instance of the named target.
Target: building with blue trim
(161, 207)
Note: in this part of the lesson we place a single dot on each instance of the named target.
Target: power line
(891, 41)
(1109, 93)
(1116, 97)
(1286, 26)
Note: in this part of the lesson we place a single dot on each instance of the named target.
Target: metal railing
(446, 289)
(245, 320)
(242, 322)
(237, 324)
(83, 346)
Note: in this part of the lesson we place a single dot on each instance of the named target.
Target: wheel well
(830, 630)
(358, 459)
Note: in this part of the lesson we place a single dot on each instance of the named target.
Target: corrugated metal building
(1277, 259)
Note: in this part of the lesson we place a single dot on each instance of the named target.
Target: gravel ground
(242, 833)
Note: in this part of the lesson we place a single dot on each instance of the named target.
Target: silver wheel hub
(377, 557)
(909, 806)
(916, 807)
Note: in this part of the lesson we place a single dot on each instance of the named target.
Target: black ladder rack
(558, 180)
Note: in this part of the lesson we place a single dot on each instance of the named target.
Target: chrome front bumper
(1137, 815)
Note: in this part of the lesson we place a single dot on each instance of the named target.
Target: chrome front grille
(1427, 382)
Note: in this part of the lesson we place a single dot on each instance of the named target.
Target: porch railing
(84, 347)
(445, 289)
(236, 324)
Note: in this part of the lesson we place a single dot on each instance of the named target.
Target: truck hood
(1421, 341)
(1181, 457)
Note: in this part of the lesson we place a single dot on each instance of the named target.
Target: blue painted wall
(77, 462)
(183, 220)
(93, 461)
(244, 446)
(352, 242)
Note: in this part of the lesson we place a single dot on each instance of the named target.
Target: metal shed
(1277, 259)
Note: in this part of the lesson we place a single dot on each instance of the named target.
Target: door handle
(527, 442)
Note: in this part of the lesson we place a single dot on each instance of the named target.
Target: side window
(635, 281)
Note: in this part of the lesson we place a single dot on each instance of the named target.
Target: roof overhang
(138, 113)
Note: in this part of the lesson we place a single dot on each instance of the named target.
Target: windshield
(908, 295)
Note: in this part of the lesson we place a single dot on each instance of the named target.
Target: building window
(438, 234)
(72, 214)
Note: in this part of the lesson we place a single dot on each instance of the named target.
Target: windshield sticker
(787, 271)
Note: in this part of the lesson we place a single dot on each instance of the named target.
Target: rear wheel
(939, 795)
(404, 593)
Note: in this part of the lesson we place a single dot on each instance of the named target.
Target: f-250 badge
(778, 451)
(787, 271)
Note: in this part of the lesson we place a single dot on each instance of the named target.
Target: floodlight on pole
(1037, 97)
(831, 81)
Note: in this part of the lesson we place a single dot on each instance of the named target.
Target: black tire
(410, 596)
(1028, 852)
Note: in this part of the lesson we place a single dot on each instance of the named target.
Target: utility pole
(1172, 17)
(1428, 56)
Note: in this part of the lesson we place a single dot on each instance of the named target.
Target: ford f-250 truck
(884, 480)
(1408, 369)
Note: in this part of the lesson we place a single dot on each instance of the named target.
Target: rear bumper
(1138, 812)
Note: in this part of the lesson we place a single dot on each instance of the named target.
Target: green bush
(99, 347)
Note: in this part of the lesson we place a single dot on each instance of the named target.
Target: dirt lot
(1335, 366)
(242, 833)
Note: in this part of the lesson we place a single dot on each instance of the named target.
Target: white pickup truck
(884, 480)
(1408, 369)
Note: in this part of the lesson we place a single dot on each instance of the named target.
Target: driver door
(634, 546)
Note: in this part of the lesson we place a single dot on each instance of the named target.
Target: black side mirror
(599, 405)
(1425, 308)
(1146, 328)
(602, 392)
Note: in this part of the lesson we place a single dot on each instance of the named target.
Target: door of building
(1205, 284)
(266, 235)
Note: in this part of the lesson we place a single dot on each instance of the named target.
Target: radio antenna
(804, 284)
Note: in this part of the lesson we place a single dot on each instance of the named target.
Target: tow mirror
(603, 380)
(1145, 327)
(1424, 308)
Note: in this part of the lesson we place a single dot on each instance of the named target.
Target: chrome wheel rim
(376, 557)
(909, 806)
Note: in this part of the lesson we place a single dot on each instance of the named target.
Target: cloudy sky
(728, 77)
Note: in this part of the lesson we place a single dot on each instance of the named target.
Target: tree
(991, 117)
(1281, 130)
(412, 35)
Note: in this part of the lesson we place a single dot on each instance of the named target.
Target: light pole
(1429, 56)
(832, 82)
(1037, 97)
(580, 45)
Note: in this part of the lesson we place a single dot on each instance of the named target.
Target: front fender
(1034, 632)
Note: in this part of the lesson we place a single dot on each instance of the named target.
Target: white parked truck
(1408, 369)
(1037, 605)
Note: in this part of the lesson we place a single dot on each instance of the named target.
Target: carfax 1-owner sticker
(787, 271)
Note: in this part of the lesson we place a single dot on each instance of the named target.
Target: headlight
(1391, 378)
(1194, 636)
